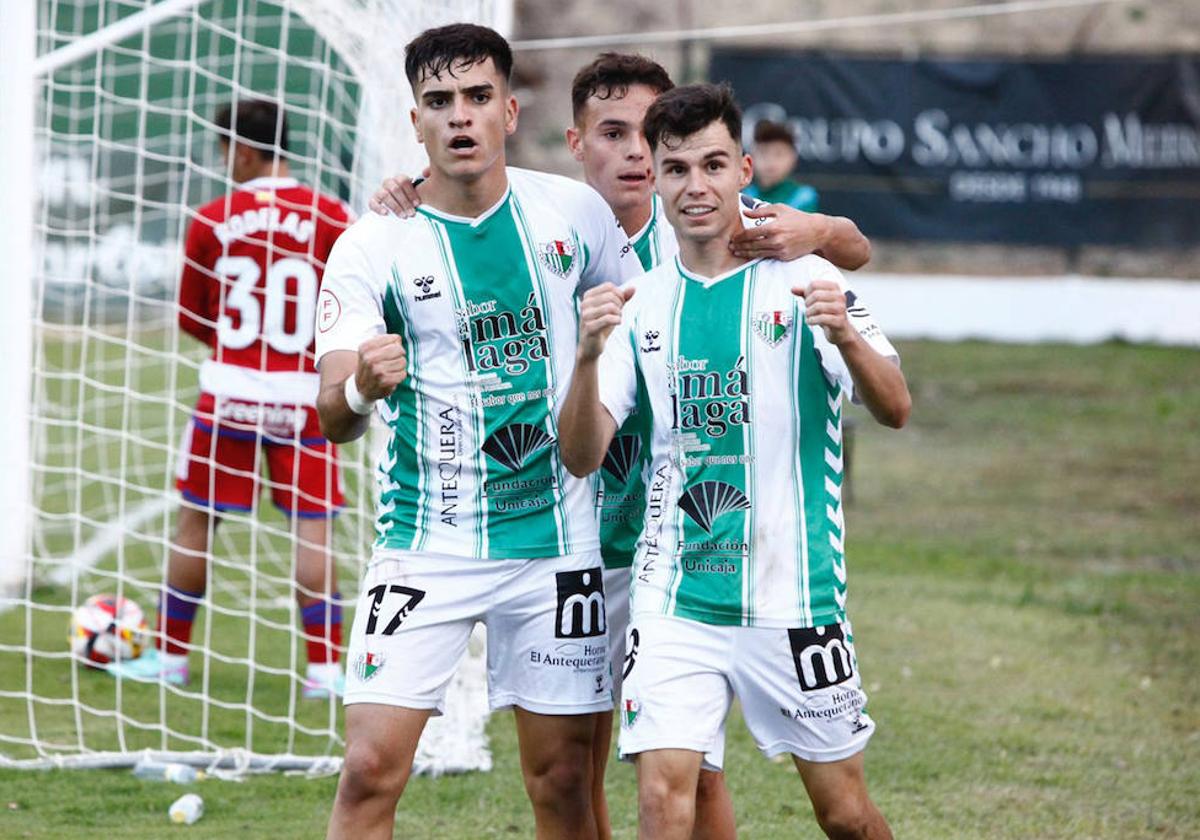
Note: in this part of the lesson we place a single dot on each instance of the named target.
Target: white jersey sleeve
(608, 256)
(617, 370)
(860, 318)
(350, 307)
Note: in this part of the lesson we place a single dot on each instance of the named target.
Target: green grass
(1026, 601)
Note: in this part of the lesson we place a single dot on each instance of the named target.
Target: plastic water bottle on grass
(166, 771)
(186, 809)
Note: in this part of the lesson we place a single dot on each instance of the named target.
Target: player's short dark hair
(685, 110)
(611, 75)
(436, 52)
(766, 131)
(257, 123)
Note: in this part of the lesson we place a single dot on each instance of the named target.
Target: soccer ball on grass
(105, 627)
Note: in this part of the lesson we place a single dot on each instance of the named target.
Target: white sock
(324, 673)
(172, 661)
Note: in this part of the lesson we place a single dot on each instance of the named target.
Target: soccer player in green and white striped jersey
(459, 326)
(609, 98)
(739, 578)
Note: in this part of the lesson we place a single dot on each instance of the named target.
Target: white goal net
(125, 95)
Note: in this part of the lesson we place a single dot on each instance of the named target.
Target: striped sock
(322, 630)
(176, 612)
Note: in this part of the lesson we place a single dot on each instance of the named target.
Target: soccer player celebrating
(460, 325)
(739, 577)
(609, 98)
(253, 265)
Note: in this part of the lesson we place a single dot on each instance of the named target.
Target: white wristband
(357, 402)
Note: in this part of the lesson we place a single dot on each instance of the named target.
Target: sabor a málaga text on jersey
(740, 527)
(486, 308)
(254, 260)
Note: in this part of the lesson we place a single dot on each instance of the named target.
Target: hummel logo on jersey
(580, 612)
(772, 327)
(650, 341)
(558, 256)
(425, 284)
(821, 655)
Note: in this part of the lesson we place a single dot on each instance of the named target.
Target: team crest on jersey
(772, 327)
(630, 709)
(367, 665)
(558, 256)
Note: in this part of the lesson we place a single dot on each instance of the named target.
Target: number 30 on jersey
(268, 319)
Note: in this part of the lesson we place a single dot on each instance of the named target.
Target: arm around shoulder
(844, 244)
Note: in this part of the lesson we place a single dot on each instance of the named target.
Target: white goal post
(108, 144)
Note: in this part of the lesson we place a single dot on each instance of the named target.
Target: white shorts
(547, 640)
(616, 602)
(800, 689)
(625, 645)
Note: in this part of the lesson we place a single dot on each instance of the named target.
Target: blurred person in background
(775, 158)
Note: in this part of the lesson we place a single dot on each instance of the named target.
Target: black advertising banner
(1080, 151)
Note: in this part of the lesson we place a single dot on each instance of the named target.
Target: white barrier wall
(1072, 310)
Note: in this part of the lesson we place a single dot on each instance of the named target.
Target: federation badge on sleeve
(558, 256)
(772, 327)
(329, 310)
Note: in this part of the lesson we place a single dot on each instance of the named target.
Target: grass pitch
(1024, 587)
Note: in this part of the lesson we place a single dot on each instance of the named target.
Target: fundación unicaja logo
(622, 457)
(705, 502)
(511, 445)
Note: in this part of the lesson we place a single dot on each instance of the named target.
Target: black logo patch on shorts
(635, 638)
(580, 612)
(821, 655)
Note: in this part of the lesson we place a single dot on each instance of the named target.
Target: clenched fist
(382, 365)
(599, 314)
(825, 307)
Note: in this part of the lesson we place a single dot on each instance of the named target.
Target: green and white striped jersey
(622, 502)
(622, 485)
(743, 524)
(655, 243)
(486, 308)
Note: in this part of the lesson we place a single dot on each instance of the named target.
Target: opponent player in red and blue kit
(254, 259)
